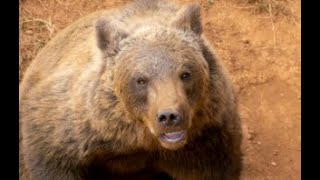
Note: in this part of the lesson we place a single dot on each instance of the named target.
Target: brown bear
(136, 92)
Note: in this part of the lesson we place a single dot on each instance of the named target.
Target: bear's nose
(169, 117)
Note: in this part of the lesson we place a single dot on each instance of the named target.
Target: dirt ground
(259, 42)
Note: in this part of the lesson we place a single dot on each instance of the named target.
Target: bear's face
(160, 79)
(159, 72)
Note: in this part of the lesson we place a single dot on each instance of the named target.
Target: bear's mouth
(173, 137)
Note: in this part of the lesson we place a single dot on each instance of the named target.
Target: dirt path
(261, 50)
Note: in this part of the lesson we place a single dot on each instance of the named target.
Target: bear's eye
(185, 76)
(141, 81)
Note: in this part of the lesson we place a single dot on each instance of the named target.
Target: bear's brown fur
(102, 99)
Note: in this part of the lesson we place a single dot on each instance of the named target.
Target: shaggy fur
(84, 116)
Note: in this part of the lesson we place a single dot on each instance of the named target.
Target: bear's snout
(169, 118)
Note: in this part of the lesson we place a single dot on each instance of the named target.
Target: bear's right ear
(108, 35)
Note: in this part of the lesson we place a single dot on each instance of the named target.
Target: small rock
(246, 41)
(29, 32)
(251, 135)
(273, 163)
(281, 94)
(299, 97)
(259, 143)
(275, 153)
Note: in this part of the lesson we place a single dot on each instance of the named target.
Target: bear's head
(160, 75)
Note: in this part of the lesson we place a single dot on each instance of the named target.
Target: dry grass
(279, 7)
(34, 32)
(40, 20)
(273, 9)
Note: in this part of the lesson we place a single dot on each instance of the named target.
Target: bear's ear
(108, 35)
(188, 18)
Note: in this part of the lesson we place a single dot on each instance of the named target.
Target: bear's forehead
(166, 36)
(158, 62)
(156, 54)
(159, 50)
(161, 57)
(155, 60)
(162, 48)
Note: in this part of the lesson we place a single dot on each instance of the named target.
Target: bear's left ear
(109, 35)
(188, 18)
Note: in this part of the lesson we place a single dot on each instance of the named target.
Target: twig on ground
(272, 23)
(66, 4)
(49, 25)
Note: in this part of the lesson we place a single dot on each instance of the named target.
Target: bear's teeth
(174, 133)
(174, 136)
